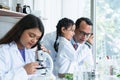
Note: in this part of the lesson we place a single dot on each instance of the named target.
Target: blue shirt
(22, 51)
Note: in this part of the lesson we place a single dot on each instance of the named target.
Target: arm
(86, 61)
(89, 42)
(65, 58)
(11, 67)
(66, 66)
(44, 49)
(9, 72)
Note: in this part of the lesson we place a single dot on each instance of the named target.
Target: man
(82, 33)
(83, 39)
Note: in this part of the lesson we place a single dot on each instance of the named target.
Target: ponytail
(56, 44)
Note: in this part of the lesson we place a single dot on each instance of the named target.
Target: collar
(73, 42)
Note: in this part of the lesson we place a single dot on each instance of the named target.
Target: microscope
(44, 71)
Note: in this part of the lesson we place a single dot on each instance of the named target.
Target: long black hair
(27, 22)
(64, 22)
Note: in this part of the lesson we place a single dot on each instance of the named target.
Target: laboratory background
(104, 14)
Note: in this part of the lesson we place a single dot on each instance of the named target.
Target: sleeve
(88, 44)
(6, 70)
(48, 41)
(90, 57)
(87, 62)
(64, 64)
(16, 74)
(66, 59)
(45, 41)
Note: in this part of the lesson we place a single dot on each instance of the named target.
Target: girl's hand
(31, 67)
(44, 49)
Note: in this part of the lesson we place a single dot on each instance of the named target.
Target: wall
(75, 9)
(54, 10)
(50, 12)
(14, 4)
(6, 23)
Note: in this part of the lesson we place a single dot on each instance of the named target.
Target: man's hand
(90, 39)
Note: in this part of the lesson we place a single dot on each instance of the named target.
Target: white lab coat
(85, 58)
(66, 61)
(48, 41)
(11, 62)
(70, 60)
(84, 53)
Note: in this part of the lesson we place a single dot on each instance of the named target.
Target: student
(79, 58)
(83, 40)
(65, 61)
(49, 39)
(17, 59)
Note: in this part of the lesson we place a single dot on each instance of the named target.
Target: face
(29, 38)
(83, 32)
(68, 33)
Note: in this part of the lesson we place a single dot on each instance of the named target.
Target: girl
(16, 56)
(65, 61)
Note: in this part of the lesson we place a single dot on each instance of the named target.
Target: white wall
(75, 9)
(54, 10)
(70, 9)
(6, 23)
(28, 2)
(50, 11)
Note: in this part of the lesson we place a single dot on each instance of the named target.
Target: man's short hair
(79, 20)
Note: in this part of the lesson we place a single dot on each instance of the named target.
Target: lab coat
(85, 58)
(11, 62)
(48, 41)
(84, 53)
(72, 61)
(66, 61)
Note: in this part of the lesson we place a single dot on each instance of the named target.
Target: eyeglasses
(84, 33)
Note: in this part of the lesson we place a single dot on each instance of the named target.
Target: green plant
(69, 76)
(118, 75)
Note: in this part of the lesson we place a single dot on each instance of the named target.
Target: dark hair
(64, 22)
(27, 22)
(78, 22)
